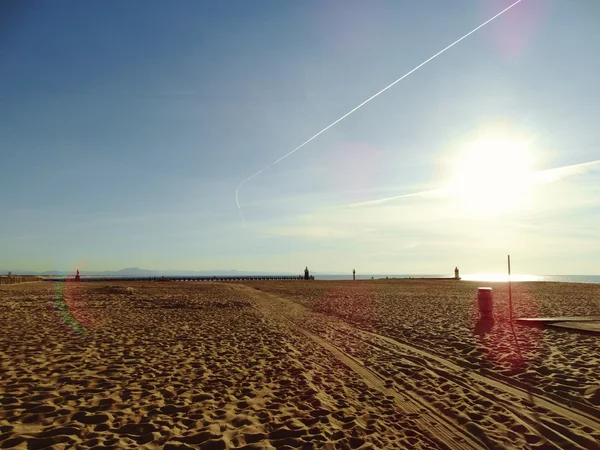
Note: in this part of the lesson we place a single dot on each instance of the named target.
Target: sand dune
(283, 365)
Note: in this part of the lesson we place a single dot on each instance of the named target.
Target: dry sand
(442, 316)
(292, 365)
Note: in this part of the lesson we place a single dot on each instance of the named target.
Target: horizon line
(337, 273)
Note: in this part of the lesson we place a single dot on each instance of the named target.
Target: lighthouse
(456, 275)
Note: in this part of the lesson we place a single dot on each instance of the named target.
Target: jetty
(84, 279)
(15, 279)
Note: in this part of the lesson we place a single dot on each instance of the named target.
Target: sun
(492, 174)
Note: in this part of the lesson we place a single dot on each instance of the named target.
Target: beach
(295, 364)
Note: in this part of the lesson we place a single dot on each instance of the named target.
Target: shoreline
(241, 279)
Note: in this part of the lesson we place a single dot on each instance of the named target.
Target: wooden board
(588, 327)
(558, 319)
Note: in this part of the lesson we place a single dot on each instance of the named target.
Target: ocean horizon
(490, 277)
(482, 277)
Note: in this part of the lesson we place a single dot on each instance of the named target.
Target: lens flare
(70, 306)
(500, 347)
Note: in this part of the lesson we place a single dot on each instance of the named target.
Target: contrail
(364, 103)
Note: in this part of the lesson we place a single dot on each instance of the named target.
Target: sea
(491, 277)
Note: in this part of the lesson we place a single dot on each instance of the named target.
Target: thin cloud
(539, 177)
(558, 173)
(319, 232)
(428, 193)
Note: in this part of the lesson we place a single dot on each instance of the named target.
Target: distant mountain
(32, 272)
(134, 271)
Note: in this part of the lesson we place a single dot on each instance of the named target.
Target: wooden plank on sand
(588, 326)
(550, 320)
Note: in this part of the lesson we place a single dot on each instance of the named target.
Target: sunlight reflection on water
(500, 277)
(503, 277)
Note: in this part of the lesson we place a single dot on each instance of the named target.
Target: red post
(509, 292)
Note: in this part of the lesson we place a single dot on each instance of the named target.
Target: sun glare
(498, 277)
(492, 175)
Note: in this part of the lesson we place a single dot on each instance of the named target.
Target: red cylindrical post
(485, 302)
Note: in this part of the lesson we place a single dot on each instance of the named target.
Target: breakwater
(19, 279)
(180, 278)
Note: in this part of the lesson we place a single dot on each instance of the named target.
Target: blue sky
(125, 128)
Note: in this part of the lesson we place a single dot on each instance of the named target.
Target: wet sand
(290, 364)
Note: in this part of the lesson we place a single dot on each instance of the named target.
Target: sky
(126, 127)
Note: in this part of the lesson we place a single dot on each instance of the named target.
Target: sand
(442, 317)
(291, 364)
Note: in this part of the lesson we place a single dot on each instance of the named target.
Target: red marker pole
(509, 292)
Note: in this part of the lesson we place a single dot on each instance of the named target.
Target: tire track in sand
(442, 431)
(584, 414)
(551, 428)
(553, 431)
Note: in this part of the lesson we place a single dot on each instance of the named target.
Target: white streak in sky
(362, 104)
(558, 173)
(539, 177)
(431, 192)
